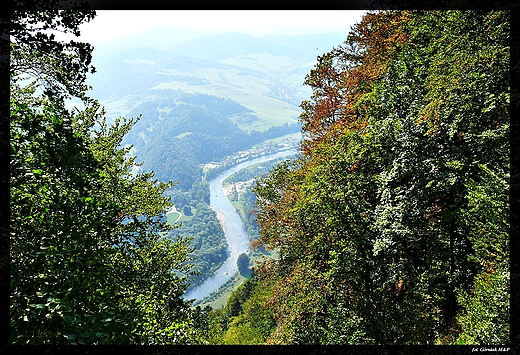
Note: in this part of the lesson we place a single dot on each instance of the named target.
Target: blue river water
(234, 230)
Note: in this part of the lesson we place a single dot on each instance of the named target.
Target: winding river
(234, 230)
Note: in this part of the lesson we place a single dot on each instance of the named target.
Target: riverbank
(222, 219)
(233, 227)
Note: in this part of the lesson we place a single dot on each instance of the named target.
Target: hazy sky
(110, 24)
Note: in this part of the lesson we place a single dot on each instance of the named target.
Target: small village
(260, 150)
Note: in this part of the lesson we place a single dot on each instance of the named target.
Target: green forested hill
(393, 225)
(181, 132)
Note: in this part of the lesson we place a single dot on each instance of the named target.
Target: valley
(207, 103)
(237, 237)
(193, 198)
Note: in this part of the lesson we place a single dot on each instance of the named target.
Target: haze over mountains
(204, 96)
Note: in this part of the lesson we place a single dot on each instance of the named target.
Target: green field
(177, 217)
(248, 90)
(173, 217)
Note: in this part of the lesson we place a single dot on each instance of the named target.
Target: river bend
(234, 229)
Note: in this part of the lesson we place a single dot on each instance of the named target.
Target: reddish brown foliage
(344, 75)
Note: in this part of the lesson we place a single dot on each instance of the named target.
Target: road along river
(236, 235)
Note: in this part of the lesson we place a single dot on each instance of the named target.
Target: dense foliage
(88, 263)
(393, 224)
(245, 319)
(207, 240)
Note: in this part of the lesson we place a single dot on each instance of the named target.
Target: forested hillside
(393, 224)
(182, 132)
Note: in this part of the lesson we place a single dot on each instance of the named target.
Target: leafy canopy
(386, 226)
(89, 263)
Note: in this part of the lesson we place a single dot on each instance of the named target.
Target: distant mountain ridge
(177, 39)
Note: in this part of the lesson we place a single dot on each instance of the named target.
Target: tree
(89, 264)
(243, 264)
(384, 224)
(245, 319)
(187, 211)
(60, 68)
(434, 123)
